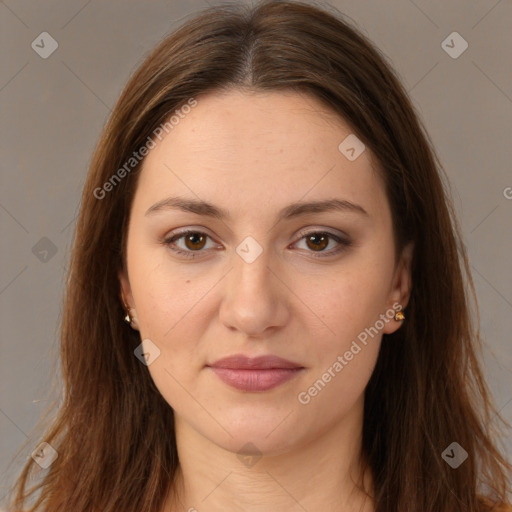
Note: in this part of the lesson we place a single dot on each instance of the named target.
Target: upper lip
(242, 362)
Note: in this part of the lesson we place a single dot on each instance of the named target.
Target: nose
(255, 298)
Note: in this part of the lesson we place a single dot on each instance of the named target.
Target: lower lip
(255, 380)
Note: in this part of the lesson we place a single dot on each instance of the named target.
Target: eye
(194, 241)
(316, 242)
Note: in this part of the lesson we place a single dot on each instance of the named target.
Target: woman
(266, 214)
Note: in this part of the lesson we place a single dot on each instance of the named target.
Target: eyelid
(328, 231)
(185, 231)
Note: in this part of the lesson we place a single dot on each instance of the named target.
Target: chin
(257, 431)
(257, 443)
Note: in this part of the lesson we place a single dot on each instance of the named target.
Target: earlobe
(401, 291)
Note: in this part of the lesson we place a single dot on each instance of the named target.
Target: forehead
(237, 149)
(232, 124)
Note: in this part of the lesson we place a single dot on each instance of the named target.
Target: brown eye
(191, 243)
(317, 241)
(195, 241)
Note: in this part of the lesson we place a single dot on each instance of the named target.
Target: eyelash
(344, 244)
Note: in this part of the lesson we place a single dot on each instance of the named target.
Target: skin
(253, 154)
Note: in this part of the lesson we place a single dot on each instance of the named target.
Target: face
(256, 277)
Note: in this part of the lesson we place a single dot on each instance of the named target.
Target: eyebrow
(200, 207)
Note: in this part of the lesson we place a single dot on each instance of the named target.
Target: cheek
(170, 309)
(347, 304)
(345, 351)
(166, 295)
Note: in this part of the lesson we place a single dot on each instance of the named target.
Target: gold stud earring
(128, 318)
(399, 315)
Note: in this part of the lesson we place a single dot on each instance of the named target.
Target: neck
(324, 474)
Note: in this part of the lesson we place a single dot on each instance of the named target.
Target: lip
(255, 373)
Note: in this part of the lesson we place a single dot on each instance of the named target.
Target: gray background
(53, 109)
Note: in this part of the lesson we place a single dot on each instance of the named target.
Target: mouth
(255, 374)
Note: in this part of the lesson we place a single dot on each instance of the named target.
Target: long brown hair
(113, 430)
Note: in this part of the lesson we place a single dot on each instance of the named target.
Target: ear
(125, 289)
(401, 287)
(126, 298)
